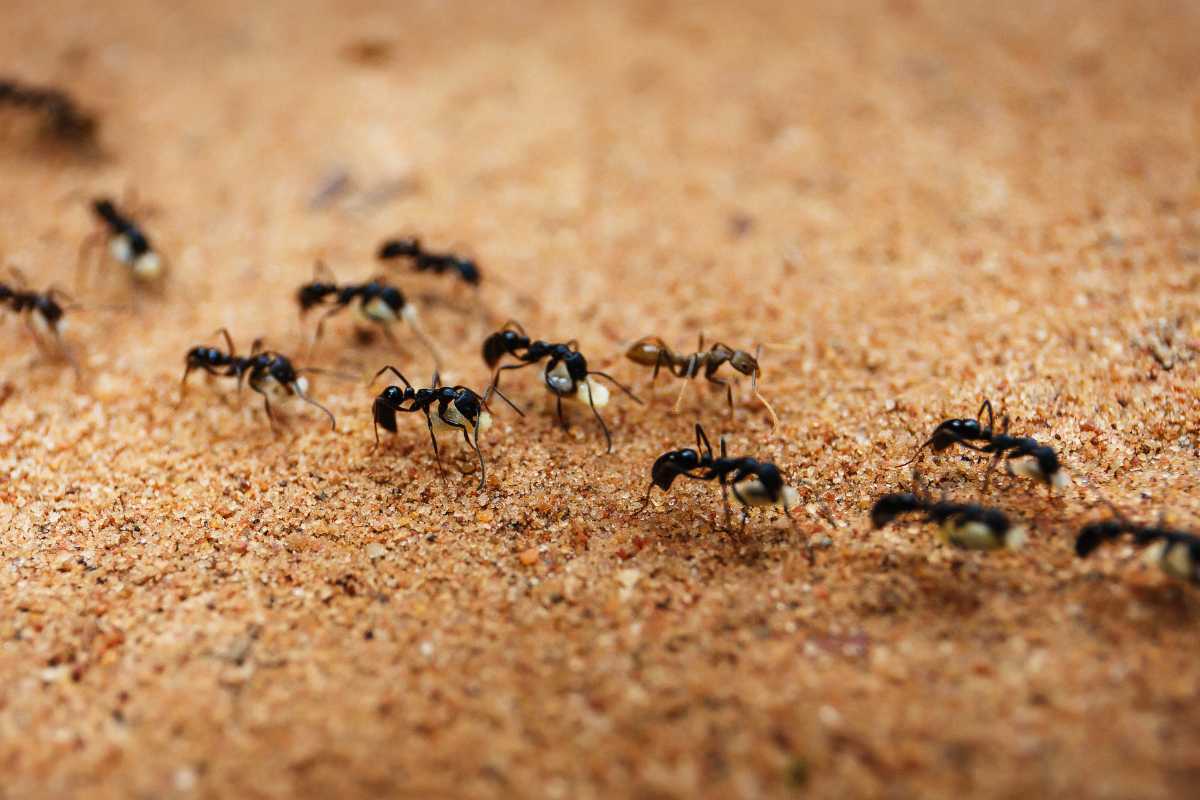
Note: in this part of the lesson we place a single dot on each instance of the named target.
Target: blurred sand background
(932, 203)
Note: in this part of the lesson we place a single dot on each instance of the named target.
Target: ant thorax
(586, 391)
(1174, 558)
(145, 266)
(973, 534)
(756, 495)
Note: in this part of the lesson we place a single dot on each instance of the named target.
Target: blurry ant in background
(1022, 455)
(127, 244)
(65, 121)
(426, 261)
(458, 409)
(652, 351)
(1174, 552)
(965, 525)
(753, 483)
(565, 374)
(269, 373)
(42, 312)
(378, 302)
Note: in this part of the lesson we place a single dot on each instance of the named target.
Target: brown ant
(269, 373)
(458, 408)
(64, 119)
(43, 313)
(566, 373)
(378, 302)
(652, 351)
(753, 483)
(1022, 455)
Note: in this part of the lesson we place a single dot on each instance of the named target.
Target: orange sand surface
(927, 203)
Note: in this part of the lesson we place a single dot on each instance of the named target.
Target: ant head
(469, 271)
(744, 363)
(502, 343)
(6, 292)
(104, 208)
(400, 248)
(311, 294)
(383, 409)
(645, 352)
(281, 369)
(953, 431)
(1096, 534)
(575, 363)
(888, 507)
(1047, 461)
(49, 308)
(669, 465)
(392, 297)
(469, 405)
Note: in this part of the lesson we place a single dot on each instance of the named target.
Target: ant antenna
(754, 386)
(311, 402)
(394, 371)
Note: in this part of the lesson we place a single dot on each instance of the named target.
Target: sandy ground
(929, 203)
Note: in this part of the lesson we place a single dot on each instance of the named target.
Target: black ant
(966, 525)
(1022, 455)
(64, 119)
(1175, 552)
(427, 261)
(652, 351)
(458, 408)
(753, 483)
(42, 311)
(566, 373)
(269, 373)
(378, 302)
(127, 243)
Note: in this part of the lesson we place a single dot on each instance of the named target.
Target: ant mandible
(128, 244)
(566, 373)
(753, 483)
(458, 408)
(1176, 553)
(378, 302)
(42, 311)
(652, 351)
(427, 261)
(965, 525)
(1022, 455)
(269, 373)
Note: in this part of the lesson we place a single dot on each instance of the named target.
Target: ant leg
(646, 499)
(562, 420)
(495, 387)
(987, 406)
(183, 385)
(267, 404)
(758, 395)
(82, 273)
(66, 352)
(600, 419)
(320, 330)
(987, 475)
(725, 502)
(679, 399)
(311, 402)
(425, 340)
(433, 438)
(475, 446)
